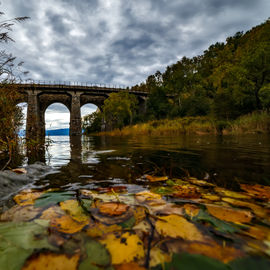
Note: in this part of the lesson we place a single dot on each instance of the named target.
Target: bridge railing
(86, 85)
(74, 83)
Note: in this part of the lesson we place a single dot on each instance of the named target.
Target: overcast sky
(121, 41)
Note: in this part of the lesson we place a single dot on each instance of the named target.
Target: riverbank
(257, 122)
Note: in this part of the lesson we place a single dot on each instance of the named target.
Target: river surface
(226, 160)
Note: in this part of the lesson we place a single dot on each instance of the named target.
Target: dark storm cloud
(121, 41)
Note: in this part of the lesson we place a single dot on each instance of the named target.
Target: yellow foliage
(73, 208)
(175, 226)
(229, 214)
(52, 262)
(27, 197)
(124, 248)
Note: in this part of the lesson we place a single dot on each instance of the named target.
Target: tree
(10, 114)
(92, 123)
(119, 109)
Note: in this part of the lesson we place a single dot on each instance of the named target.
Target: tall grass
(256, 122)
(186, 125)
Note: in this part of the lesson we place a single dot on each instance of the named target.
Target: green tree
(92, 122)
(119, 110)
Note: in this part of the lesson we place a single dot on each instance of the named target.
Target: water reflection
(224, 160)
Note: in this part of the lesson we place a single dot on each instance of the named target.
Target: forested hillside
(228, 80)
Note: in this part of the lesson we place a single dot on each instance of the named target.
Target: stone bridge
(40, 95)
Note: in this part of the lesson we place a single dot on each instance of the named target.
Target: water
(226, 160)
(105, 202)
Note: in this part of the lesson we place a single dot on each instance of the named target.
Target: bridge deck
(84, 87)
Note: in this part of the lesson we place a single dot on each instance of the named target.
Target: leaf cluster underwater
(172, 224)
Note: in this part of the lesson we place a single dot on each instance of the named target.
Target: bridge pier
(34, 121)
(75, 116)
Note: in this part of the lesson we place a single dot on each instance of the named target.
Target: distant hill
(58, 132)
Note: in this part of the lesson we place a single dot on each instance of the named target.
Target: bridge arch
(57, 116)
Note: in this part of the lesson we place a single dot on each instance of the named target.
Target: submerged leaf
(96, 254)
(152, 178)
(99, 229)
(52, 261)
(229, 214)
(175, 226)
(194, 262)
(219, 224)
(187, 192)
(73, 208)
(27, 197)
(233, 194)
(113, 208)
(67, 225)
(20, 213)
(250, 263)
(51, 198)
(124, 248)
(256, 209)
(258, 191)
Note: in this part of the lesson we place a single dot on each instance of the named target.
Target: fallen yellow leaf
(213, 250)
(149, 198)
(191, 210)
(124, 248)
(258, 232)
(258, 191)
(73, 208)
(157, 256)
(152, 178)
(230, 214)
(256, 209)
(67, 225)
(233, 194)
(27, 197)
(175, 226)
(52, 262)
(99, 229)
(211, 197)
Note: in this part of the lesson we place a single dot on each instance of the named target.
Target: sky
(120, 42)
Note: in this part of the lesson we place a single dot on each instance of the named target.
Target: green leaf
(18, 241)
(97, 255)
(194, 262)
(163, 190)
(128, 224)
(52, 198)
(251, 263)
(220, 225)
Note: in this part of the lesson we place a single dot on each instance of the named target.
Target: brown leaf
(113, 208)
(187, 192)
(230, 214)
(20, 171)
(20, 213)
(99, 229)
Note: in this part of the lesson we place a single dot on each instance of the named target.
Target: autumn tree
(10, 114)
